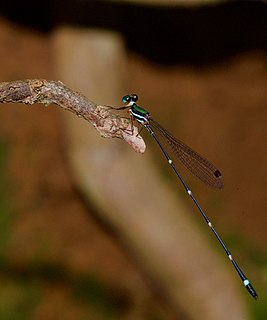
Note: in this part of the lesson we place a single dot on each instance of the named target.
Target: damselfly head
(130, 98)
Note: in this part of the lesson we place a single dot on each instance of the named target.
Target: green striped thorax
(138, 113)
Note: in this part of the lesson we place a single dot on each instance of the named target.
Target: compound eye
(126, 98)
(134, 97)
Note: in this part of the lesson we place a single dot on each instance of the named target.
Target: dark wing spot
(217, 174)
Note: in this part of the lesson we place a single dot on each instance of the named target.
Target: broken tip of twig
(134, 139)
(111, 125)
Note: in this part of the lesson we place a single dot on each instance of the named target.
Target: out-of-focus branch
(108, 124)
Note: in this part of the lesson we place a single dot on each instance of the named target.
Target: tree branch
(108, 124)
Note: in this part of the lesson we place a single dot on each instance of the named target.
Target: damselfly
(193, 161)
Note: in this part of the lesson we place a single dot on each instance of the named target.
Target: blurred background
(88, 228)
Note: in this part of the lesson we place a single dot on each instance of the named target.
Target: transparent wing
(193, 161)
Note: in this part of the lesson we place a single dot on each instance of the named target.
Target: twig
(108, 124)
